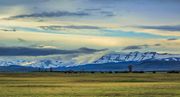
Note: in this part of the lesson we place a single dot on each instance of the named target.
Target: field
(89, 85)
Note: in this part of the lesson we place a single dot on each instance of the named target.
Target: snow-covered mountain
(54, 61)
(101, 60)
(148, 61)
(137, 57)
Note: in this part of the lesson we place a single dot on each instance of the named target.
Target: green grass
(89, 85)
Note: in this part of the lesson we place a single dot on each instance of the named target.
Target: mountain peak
(135, 56)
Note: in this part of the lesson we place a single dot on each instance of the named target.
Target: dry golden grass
(89, 85)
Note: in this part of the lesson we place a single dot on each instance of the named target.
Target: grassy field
(89, 85)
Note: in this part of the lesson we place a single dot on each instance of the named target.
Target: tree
(39, 69)
(130, 68)
(50, 69)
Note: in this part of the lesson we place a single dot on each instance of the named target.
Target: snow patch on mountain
(70, 60)
(137, 57)
(51, 60)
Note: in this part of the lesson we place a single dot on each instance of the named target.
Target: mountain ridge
(101, 60)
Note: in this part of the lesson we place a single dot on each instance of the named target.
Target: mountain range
(85, 59)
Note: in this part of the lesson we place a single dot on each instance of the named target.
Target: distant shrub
(92, 72)
(75, 72)
(173, 72)
(102, 72)
(116, 72)
(81, 72)
(138, 72)
(124, 72)
(70, 71)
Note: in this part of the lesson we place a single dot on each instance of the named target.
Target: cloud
(69, 27)
(21, 40)
(38, 45)
(89, 50)
(157, 44)
(24, 51)
(99, 12)
(8, 30)
(164, 28)
(171, 39)
(132, 48)
(20, 2)
(92, 9)
(107, 13)
(50, 14)
(137, 47)
(108, 1)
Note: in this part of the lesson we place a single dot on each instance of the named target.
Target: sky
(117, 25)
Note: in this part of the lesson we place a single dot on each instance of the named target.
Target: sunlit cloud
(50, 14)
(164, 28)
(112, 24)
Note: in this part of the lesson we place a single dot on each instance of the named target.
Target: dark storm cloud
(164, 28)
(69, 27)
(51, 14)
(24, 51)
